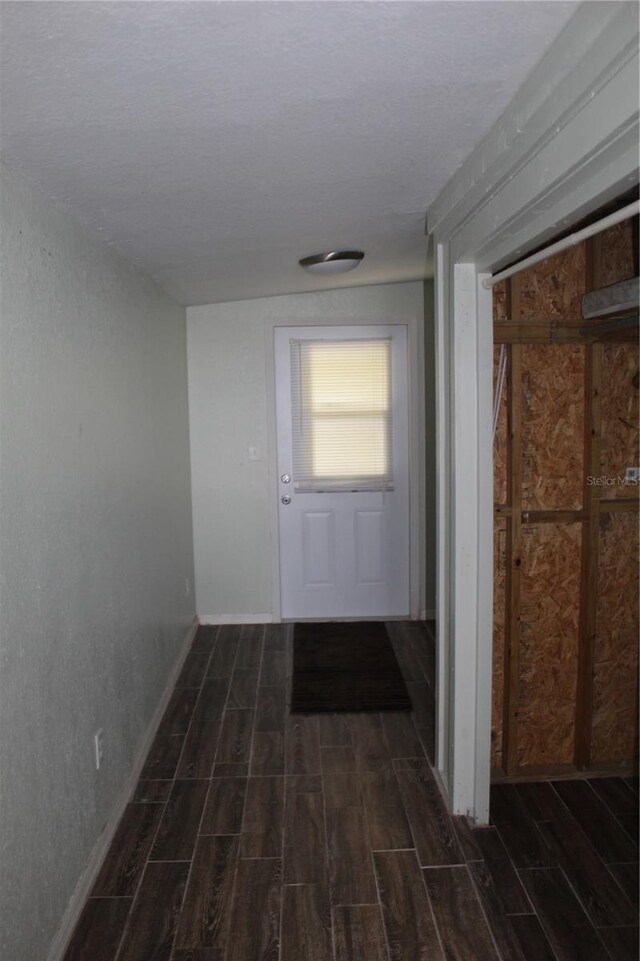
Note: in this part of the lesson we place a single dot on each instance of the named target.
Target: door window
(341, 414)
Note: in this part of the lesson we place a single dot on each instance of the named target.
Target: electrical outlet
(254, 453)
(187, 587)
(98, 746)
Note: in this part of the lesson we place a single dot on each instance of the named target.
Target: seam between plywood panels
(591, 525)
(590, 542)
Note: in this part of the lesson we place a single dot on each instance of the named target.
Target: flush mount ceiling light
(334, 262)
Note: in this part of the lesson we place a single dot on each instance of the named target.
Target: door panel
(369, 547)
(343, 553)
(319, 549)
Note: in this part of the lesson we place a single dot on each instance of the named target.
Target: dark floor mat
(345, 666)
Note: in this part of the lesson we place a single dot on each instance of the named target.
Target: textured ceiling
(215, 144)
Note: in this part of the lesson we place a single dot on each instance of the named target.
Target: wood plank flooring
(259, 836)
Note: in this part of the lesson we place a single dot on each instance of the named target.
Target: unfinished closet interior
(565, 644)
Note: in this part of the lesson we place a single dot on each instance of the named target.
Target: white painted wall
(228, 413)
(96, 544)
(429, 449)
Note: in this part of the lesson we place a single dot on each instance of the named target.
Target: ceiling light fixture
(334, 262)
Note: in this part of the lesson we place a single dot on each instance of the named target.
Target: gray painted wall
(228, 411)
(96, 544)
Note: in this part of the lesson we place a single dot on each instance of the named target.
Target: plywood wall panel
(552, 426)
(553, 465)
(550, 613)
(617, 254)
(500, 439)
(500, 301)
(497, 687)
(620, 435)
(615, 674)
(553, 289)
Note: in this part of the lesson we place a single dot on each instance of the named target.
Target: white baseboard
(235, 618)
(213, 619)
(87, 879)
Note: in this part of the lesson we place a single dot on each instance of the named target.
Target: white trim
(470, 490)
(236, 618)
(87, 879)
(566, 144)
(417, 479)
(484, 616)
(631, 210)
(444, 415)
(462, 679)
(343, 620)
(594, 47)
(415, 359)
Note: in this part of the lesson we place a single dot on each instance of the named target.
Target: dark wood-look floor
(258, 836)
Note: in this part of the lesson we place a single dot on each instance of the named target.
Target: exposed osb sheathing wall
(499, 545)
(618, 262)
(562, 674)
(550, 614)
(614, 734)
(552, 426)
(619, 448)
(553, 288)
(500, 439)
(499, 610)
(500, 301)
(615, 669)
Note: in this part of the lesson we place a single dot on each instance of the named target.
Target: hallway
(258, 836)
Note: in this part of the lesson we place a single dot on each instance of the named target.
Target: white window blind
(341, 414)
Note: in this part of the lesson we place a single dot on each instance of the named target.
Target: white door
(343, 471)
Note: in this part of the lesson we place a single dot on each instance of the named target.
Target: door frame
(566, 144)
(415, 389)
